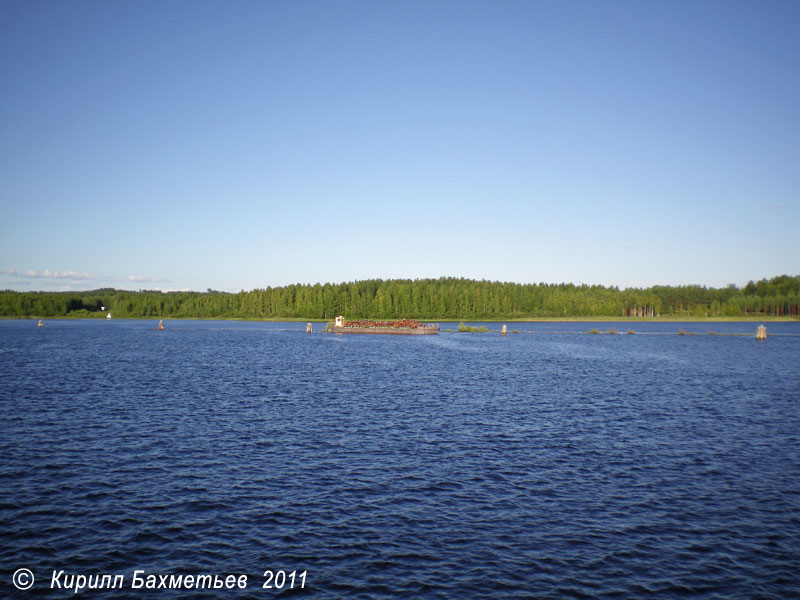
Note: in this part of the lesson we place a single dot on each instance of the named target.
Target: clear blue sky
(238, 145)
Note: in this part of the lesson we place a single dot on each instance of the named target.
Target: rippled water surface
(549, 463)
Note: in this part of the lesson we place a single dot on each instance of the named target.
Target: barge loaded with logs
(402, 327)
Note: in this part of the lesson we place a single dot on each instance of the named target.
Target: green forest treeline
(444, 298)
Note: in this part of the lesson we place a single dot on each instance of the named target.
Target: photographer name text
(276, 580)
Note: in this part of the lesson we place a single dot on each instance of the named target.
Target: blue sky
(239, 145)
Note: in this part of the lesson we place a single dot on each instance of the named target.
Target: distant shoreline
(669, 319)
(427, 299)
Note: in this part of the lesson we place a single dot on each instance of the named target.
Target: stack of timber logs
(402, 324)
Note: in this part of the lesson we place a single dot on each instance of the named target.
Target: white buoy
(761, 333)
(505, 329)
(308, 328)
(41, 323)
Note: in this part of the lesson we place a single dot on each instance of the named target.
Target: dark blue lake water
(539, 465)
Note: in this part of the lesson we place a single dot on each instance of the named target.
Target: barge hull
(387, 330)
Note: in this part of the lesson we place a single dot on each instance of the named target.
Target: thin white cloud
(66, 280)
(142, 279)
(48, 274)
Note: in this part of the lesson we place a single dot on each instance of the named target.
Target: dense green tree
(443, 298)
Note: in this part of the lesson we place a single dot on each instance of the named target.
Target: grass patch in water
(471, 329)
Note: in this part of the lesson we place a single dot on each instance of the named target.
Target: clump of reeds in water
(470, 329)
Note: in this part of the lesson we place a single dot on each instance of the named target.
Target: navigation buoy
(505, 329)
(308, 328)
(41, 323)
(761, 333)
(161, 325)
